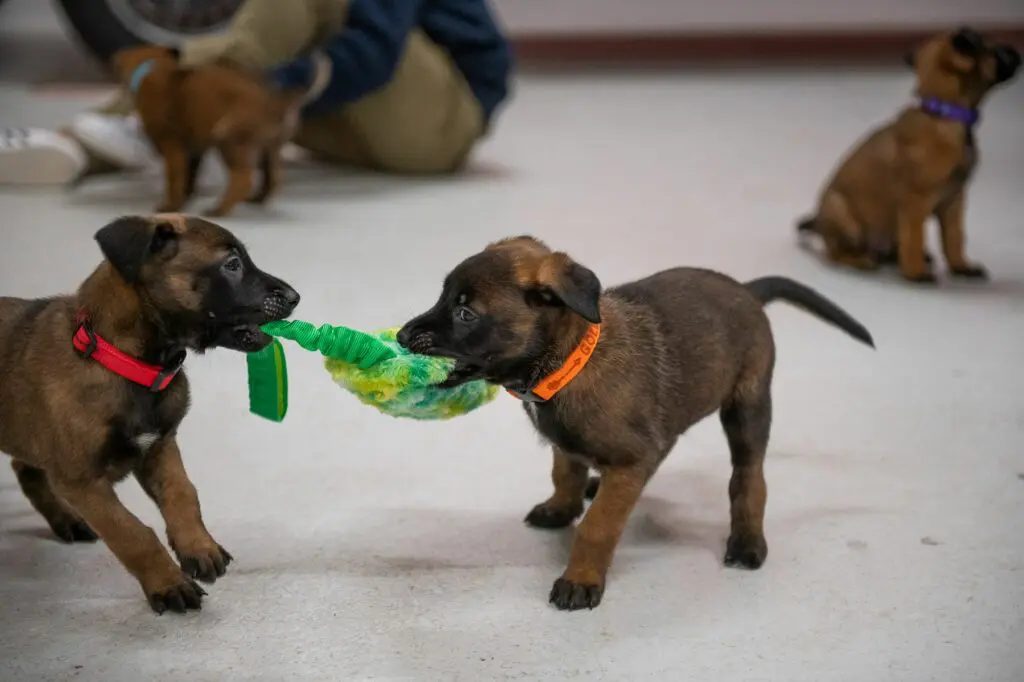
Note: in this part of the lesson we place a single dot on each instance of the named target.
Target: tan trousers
(425, 120)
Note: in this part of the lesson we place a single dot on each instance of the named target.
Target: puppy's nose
(404, 336)
(290, 296)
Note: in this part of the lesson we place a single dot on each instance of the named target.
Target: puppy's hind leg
(747, 418)
(839, 252)
(66, 524)
(843, 236)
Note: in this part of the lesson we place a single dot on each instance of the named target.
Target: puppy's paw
(217, 211)
(567, 595)
(746, 550)
(925, 277)
(892, 258)
(259, 198)
(546, 515)
(862, 262)
(180, 596)
(69, 529)
(203, 560)
(970, 271)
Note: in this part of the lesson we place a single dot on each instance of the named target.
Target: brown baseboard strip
(862, 46)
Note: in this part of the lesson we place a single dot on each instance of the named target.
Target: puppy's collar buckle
(91, 346)
(549, 386)
(163, 378)
(525, 394)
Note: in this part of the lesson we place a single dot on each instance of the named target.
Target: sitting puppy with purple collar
(873, 209)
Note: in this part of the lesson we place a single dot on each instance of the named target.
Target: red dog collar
(90, 345)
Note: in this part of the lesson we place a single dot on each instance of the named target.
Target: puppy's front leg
(566, 503)
(582, 584)
(162, 475)
(912, 214)
(176, 177)
(270, 165)
(195, 163)
(134, 544)
(239, 160)
(951, 224)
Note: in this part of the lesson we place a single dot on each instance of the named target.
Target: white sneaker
(119, 140)
(30, 156)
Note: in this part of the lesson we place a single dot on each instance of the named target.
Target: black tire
(103, 31)
(98, 27)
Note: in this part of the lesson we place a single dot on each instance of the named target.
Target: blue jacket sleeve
(363, 56)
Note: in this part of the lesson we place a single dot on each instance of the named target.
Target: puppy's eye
(464, 314)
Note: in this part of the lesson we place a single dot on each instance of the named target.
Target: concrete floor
(375, 549)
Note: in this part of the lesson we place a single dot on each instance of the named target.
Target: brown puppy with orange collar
(873, 210)
(612, 379)
(187, 111)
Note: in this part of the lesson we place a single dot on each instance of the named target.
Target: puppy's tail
(294, 98)
(768, 289)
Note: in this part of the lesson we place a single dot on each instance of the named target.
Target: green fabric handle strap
(340, 343)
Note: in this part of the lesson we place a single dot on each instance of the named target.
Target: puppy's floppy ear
(967, 42)
(128, 242)
(569, 284)
(965, 46)
(1007, 62)
(120, 63)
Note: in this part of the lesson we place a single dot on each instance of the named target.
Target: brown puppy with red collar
(612, 379)
(873, 210)
(91, 389)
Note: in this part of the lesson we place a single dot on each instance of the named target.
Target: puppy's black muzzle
(415, 341)
(415, 335)
(281, 302)
(242, 332)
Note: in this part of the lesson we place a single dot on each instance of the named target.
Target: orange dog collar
(549, 386)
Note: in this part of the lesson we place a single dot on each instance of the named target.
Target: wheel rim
(168, 22)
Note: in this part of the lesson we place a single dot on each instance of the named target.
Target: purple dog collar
(953, 112)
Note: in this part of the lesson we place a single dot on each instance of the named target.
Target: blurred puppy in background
(873, 210)
(187, 111)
